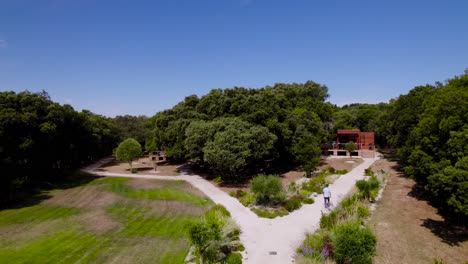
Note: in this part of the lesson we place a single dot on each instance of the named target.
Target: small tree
(128, 151)
(350, 147)
(267, 188)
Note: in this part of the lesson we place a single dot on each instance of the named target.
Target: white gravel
(265, 240)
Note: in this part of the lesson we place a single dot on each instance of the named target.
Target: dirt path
(408, 229)
(266, 240)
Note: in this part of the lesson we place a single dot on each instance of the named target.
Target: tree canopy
(128, 151)
(231, 130)
(40, 138)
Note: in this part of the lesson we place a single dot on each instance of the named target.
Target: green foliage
(234, 258)
(247, 199)
(41, 139)
(308, 201)
(218, 179)
(363, 211)
(328, 221)
(270, 213)
(128, 126)
(216, 237)
(366, 187)
(353, 243)
(292, 204)
(341, 172)
(368, 172)
(128, 151)
(281, 123)
(429, 126)
(237, 146)
(316, 183)
(267, 188)
(350, 147)
(451, 185)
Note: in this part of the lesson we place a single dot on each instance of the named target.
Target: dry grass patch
(410, 230)
(86, 197)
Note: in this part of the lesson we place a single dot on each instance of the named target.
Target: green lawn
(106, 220)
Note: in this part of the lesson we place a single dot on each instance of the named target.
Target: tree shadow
(37, 192)
(449, 233)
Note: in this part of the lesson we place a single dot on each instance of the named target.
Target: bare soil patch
(87, 197)
(98, 221)
(410, 230)
(143, 166)
(340, 163)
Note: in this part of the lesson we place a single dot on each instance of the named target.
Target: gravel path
(265, 240)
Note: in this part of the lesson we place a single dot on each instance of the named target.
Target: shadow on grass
(450, 234)
(36, 192)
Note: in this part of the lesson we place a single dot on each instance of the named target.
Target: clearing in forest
(109, 220)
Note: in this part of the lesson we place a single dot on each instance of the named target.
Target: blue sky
(140, 57)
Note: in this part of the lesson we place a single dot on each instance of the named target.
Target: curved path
(265, 240)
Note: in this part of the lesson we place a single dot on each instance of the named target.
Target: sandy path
(265, 240)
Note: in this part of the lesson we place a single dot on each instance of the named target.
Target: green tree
(128, 151)
(350, 147)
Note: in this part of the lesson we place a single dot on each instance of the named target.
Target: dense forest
(238, 132)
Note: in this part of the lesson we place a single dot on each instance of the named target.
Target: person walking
(326, 195)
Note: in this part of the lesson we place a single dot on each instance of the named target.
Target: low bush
(247, 199)
(340, 172)
(267, 188)
(218, 179)
(369, 172)
(328, 221)
(329, 169)
(304, 192)
(308, 201)
(234, 258)
(363, 211)
(353, 243)
(270, 213)
(219, 208)
(215, 237)
(292, 204)
(316, 184)
(366, 187)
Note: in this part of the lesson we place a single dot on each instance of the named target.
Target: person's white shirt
(326, 192)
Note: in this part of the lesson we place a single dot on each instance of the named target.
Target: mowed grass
(139, 226)
(165, 193)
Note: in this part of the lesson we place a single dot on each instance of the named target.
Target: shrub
(328, 221)
(219, 208)
(267, 188)
(363, 211)
(240, 193)
(329, 169)
(304, 192)
(308, 201)
(368, 172)
(292, 204)
(234, 258)
(348, 204)
(270, 214)
(232, 194)
(353, 243)
(366, 187)
(341, 172)
(217, 179)
(247, 199)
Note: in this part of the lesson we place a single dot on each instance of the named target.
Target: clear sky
(139, 57)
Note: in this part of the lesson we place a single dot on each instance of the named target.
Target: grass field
(109, 220)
